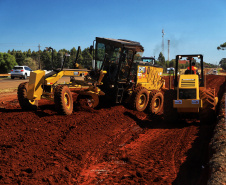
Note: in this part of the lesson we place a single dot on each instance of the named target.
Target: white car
(20, 72)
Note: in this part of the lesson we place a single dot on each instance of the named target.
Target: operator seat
(189, 72)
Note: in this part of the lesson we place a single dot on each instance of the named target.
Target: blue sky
(192, 26)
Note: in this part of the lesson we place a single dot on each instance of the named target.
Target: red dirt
(106, 146)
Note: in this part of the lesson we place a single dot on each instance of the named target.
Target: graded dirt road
(8, 83)
(109, 145)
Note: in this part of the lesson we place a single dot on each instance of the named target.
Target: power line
(19, 44)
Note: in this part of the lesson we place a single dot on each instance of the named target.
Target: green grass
(3, 77)
(9, 90)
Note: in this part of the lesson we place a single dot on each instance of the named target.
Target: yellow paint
(188, 81)
(36, 81)
(150, 77)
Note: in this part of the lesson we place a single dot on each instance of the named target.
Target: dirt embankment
(109, 145)
(218, 149)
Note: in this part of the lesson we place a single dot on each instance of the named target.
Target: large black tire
(63, 100)
(25, 104)
(25, 76)
(90, 101)
(140, 99)
(12, 77)
(170, 113)
(155, 102)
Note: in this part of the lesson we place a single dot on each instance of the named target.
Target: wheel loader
(192, 96)
(117, 74)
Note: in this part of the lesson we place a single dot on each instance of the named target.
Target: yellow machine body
(150, 77)
(37, 81)
(35, 88)
(188, 94)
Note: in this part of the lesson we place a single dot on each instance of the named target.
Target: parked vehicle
(20, 72)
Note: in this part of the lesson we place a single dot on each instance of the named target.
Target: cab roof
(136, 46)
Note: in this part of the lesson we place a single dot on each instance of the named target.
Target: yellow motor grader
(192, 96)
(117, 74)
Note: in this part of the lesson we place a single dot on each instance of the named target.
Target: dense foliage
(7, 62)
(53, 59)
(223, 63)
(223, 60)
(222, 46)
(49, 59)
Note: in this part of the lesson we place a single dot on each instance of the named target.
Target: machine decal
(76, 73)
(178, 101)
(195, 102)
(142, 69)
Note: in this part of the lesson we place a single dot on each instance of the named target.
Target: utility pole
(168, 49)
(39, 56)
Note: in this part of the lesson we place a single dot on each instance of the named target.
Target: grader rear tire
(140, 99)
(156, 102)
(63, 100)
(25, 103)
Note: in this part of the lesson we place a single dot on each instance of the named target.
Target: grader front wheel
(25, 103)
(63, 100)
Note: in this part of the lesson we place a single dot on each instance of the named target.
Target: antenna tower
(163, 41)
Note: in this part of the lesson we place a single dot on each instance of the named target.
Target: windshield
(150, 60)
(18, 68)
(138, 56)
(108, 53)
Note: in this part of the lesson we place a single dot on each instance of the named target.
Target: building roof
(122, 43)
(183, 61)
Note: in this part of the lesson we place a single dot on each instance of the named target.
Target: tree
(29, 53)
(222, 46)
(161, 59)
(33, 64)
(45, 58)
(73, 52)
(172, 63)
(7, 62)
(87, 58)
(223, 63)
(20, 58)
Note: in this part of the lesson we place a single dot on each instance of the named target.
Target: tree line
(223, 60)
(43, 59)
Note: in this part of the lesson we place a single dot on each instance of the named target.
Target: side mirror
(91, 49)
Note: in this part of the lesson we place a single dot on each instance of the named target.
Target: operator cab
(150, 60)
(190, 69)
(116, 56)
(118, 59)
